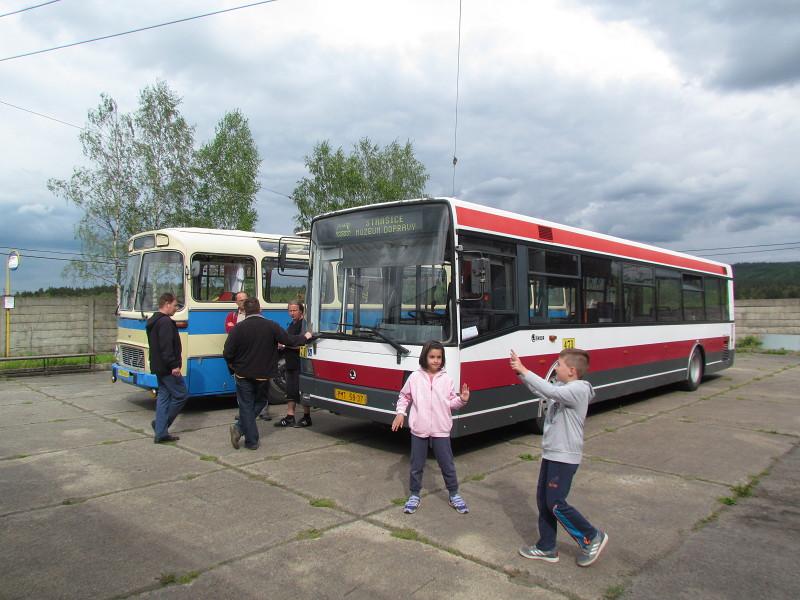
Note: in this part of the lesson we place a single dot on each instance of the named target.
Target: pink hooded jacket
(431, 403)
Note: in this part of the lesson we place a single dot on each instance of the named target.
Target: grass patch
(109, 442)
(323, 503)
(727, 500)
(778, 351)
(208, 457)
(749, 342)
(408, 534)
(28, 363)
(21, 456)
(188, 577)
(309, 534)
(190, 476)
(137, 430)
(166, 579)
(613, 592)
(476, 477)
(526, 456)
(398, 501)
(705, 521)
(609, 429)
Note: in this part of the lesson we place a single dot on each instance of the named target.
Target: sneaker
(236, 435)
(304, 422)
(412, 504)
(167, 438)
(255, 447)
(592, 552)
(287, 421)
(533, 552)
(458, 503)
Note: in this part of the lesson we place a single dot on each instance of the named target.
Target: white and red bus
(386, 278)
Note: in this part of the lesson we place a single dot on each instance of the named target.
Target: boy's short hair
(577, 359)
(166, 298)
(431, 345)
(251, 306)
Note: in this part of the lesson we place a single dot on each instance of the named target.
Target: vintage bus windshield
(387, 269)
(161, 271)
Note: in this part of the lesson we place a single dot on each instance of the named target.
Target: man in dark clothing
(165, 362)
(250, 352)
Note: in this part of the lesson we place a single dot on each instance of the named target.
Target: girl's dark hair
(431, 345)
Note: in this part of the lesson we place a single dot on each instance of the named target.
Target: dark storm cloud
(728, 44)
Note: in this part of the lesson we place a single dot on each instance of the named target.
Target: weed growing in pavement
(526, 457)
(727, 500)
(208, 457)
(613, 592)
(166, 579)
(309, 534)
(323, 503)
(476, 477)
(188, 577)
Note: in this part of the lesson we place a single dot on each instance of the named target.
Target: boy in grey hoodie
(562, 448)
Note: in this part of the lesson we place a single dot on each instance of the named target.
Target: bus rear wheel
(694, 372)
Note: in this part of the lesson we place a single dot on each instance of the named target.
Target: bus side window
(218, 278)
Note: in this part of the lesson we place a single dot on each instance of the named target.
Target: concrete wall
(61, 325)
(760, 317)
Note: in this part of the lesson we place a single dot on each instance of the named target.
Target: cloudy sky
(673, 123)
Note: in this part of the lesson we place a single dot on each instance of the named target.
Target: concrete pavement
(91, 508)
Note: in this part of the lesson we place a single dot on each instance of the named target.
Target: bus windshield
(161, 271)
(385, 269)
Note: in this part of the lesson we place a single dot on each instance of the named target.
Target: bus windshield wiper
(401, 350)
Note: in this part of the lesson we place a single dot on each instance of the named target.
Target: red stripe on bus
(373, 377)
(510, 226)
(487, 374)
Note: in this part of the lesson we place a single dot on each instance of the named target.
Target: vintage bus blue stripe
(207, 321)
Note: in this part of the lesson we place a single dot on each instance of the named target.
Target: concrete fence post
(91, 323)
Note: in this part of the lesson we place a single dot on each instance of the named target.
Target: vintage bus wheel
(277, 385)
(694, 372)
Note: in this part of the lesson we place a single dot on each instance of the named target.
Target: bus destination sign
(373, 227)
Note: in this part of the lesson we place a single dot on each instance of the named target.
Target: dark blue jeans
(555, 479)
(170, 399)
(251, 403)
(444, 456)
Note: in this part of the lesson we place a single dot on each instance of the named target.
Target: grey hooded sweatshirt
(566, 411)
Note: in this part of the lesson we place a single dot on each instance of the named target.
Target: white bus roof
(227, 241)
(477, 217)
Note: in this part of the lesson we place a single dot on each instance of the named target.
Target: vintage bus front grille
(132, 357)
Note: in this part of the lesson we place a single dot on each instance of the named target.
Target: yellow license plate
(123, 373)
(348, 396)
(303, 352)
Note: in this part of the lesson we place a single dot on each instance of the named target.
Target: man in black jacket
(165, 362)
(250, 352)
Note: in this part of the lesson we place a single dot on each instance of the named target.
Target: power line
(14, 12)
(750, 246)
(50, 251)
(81, 260)
(33, 112)
(753, 251)
(113, 35)
(266, 189)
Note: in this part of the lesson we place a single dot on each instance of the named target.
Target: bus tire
(535, 425)
(277, 385)
(694, 370)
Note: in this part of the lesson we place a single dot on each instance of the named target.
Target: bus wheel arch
(695, 368)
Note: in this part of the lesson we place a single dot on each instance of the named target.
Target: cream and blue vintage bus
(204, 268)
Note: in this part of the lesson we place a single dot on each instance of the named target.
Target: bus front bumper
(147, 381)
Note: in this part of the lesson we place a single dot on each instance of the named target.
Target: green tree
(227, 177)
(144, 174)
(368, 175)
(107, 193)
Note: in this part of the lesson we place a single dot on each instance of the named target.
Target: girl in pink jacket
(431, 394)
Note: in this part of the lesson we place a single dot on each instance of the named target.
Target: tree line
(145, 172)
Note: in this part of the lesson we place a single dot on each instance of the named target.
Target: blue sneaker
(534, 553)
(592, 552)
(412, 504)
(458, 503)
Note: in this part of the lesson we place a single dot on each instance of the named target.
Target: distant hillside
(767, 280)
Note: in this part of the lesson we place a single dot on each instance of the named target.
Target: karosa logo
(537, 338)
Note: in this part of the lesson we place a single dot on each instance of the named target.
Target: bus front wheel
(694, 371)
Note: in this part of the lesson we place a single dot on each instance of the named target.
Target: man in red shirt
(236, 316)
